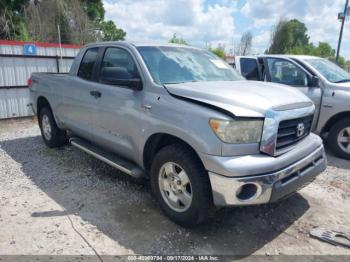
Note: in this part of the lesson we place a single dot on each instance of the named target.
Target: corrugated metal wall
(42, 49)
(13, 103)
(16, 68)
(15, 71)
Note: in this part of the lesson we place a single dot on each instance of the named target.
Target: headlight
(237, 131)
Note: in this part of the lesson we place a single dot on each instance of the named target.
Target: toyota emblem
(300, 129)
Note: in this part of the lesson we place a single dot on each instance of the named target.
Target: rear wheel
(181, 185)
(52, 135)
(339, 138)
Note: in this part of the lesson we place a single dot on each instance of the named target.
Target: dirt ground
(62, 201)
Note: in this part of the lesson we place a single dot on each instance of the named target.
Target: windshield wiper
(343, 81)
(182, 82)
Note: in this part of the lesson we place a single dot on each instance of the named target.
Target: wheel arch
(41, 103)
(158, 141)
(334, 119)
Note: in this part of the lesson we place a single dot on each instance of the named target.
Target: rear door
(249, 68)
(288, 72)
(78, 103)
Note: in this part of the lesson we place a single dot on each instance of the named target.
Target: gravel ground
(62, 201)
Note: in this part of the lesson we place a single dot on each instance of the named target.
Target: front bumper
(264, 188)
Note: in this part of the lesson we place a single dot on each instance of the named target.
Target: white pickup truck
(325, 83)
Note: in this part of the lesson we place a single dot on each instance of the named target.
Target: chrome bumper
(264, 188)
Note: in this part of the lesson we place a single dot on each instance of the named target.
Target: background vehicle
(325, 83)
(185, 119)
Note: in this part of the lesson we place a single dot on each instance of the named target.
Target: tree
(12, 25)
(178, 40)
(94, 10)
(280, 39)
(323, 50)
(75, 25)
(110, 32)
(80, 21)
(288, 37)
(341, 61)
(299, 36)
(245, 45)
(219, 51)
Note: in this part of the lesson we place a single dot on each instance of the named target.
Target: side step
(109, 158)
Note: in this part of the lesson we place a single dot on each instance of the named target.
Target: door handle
(148, 107)
(95, 93)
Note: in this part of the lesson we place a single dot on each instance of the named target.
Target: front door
(286, 71)
(118, 110)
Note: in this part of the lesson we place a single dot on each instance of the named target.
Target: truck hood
(342, 86)
(242, 98)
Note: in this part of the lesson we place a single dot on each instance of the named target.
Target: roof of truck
(301, 57)
(138, 44)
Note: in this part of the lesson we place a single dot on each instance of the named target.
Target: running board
(109, 158)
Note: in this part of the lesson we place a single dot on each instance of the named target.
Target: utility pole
(59, 40)
(342, 17)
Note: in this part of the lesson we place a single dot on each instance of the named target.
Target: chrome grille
(289, 131)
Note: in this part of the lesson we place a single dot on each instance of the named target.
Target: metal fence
(16, 66)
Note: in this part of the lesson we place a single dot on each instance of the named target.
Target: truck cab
(325, 83)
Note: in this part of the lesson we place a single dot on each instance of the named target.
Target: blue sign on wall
(29, 49)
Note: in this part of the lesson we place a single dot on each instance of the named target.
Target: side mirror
(121, 77)
(314, 82)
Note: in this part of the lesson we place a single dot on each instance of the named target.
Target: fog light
(247, 192)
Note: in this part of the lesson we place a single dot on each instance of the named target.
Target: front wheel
(181, 185)
(339, 138)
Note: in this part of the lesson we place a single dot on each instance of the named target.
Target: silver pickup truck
(325, 83)
(184, 119)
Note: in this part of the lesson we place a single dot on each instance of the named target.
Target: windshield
(171, 65)
(329, 70)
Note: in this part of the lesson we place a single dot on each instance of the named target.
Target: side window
(118, 62)
(249, 68)
(285, 72)
(87, 63)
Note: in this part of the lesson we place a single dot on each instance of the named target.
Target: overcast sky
(223, 21)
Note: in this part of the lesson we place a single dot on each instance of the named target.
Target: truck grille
(291, 131)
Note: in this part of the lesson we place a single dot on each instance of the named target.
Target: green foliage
(11, 18)
(178, 40)
(290, 37)
(94, 9)
(23, 34)
(80, 21)
(220, 52)
(298, 31)
(13, 5)
(341, 61)
(323, 50)
(110, 32)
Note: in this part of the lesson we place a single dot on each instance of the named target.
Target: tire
(52, 135)
(182, 158)
(339, 130)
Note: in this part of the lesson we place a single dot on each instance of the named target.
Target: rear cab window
(87, 63)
